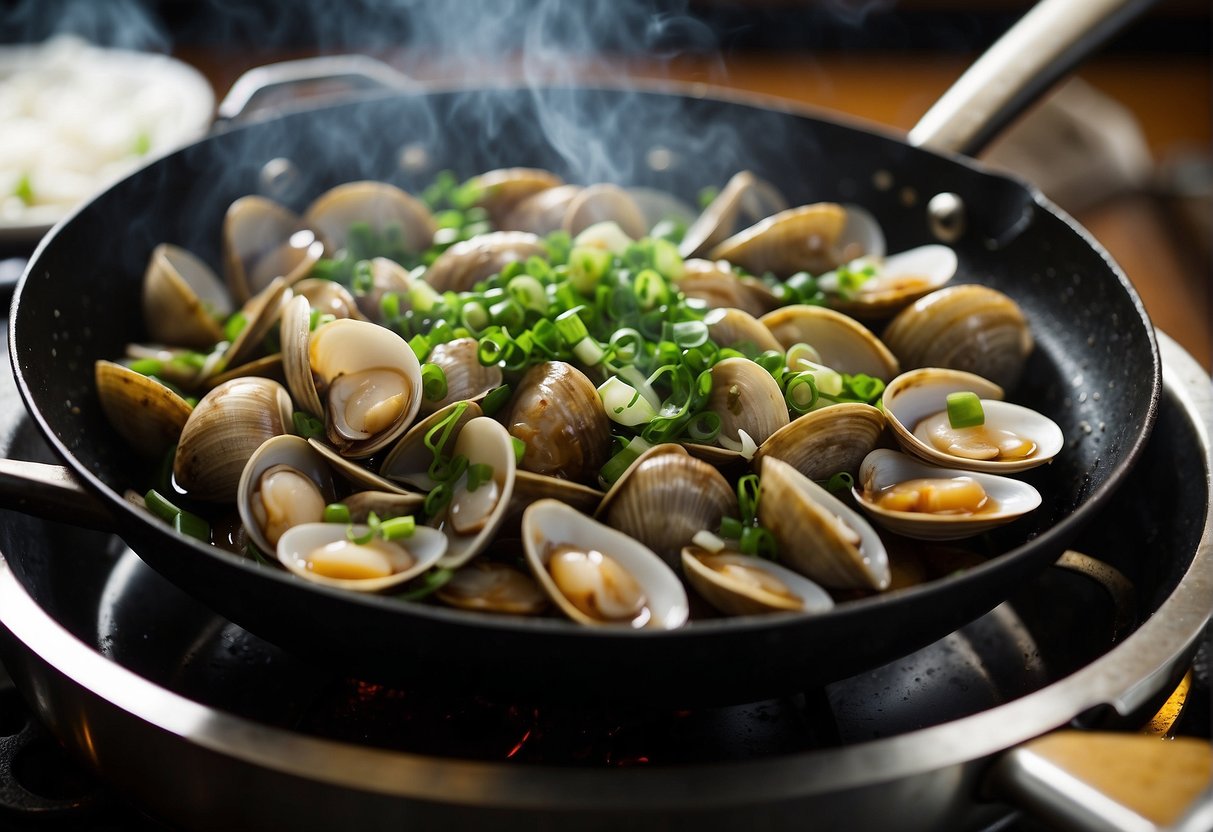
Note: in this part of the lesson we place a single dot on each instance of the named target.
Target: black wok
(1095, 369)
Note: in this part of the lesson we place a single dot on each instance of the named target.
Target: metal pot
(1100, 382)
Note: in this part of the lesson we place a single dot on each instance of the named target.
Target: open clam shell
(627, 586)
(466, 377)
(746, 397)
(184, 301)
(737, 584)
(472, 518)
(899, 280)
(464, 264)
(843, 343)
(409, 461)
(146, 413)
(501, 189)
(914, 396)
(324, 554)
(1008, 499)
(380, 205)
(300, 484)
(799, 239)
(817, 534)
(371, 381)
(557, 412)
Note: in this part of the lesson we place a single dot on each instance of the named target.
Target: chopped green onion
(623, 404)
(749, 490)
(495, 399)
(650, 289)
(307, 425)
(704, 427)
(528, 291)
(147, 366)
(588, 352)
(427, 584)
(800, 393)
(841, 481)
(359, 538)
(623, 460)
(587, 266)
(730, 527)
(433, 382)
(965, 410)
(474, 316)
(519, 449)
(478, 475)
(24, 189)
(336, 513)
(193, 526)
(570, 326)
(757, 540)
(396, 528)
(234, 325)
(421, 346)
(438, 499)
(447, 470)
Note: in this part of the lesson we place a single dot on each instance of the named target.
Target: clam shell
(604, 203)
(346, 347)
(228, 424)
(294, 335)
(746, 397)
(665, 498)
(557, 412)
(253, 227)
(883, 468)
(425, 546)
(552, 523)
(917, 394)
(843, 343)
(483, 441)
(465, 264)
(378, 204)
(504, 188)
(262, 312)
(743, 196)
(144, 412)
(803, 518)
(900, 280)
(351, 471)
(719, 286)
(489, 586)
(466, 377)
(409, 461)
(294, 453)
(328, 297)
(799, 239)
(723, 590)
(738, 329)
(542, 212)
(183, 299)
(823, 442)
(969, 327)
(384, 504)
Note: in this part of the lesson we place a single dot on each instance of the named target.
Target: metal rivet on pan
(946, 213)
(279, 179)
(660, 158)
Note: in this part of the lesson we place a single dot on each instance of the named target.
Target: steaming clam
(894, 281)
(970, 327)
(325, 554)
(263, 240)
(379, 205)
(371, 381)
(490, 586)
(719, 286)
(748, 399)
(476, 511)
(604, 203)
(284, 484)
(926, 502)
(222, 432)
(665, 498)
(502, 189)
(145, 412)
(817, 534)
(184, 302)
(740, 330)
(466, 377)
(598, 576)
(557, 412)
(743, 194)
(409, 461)
(813, 238)
(841, 342)
(1013, 438)
(464, 264)
(737, 584)
(824, 442)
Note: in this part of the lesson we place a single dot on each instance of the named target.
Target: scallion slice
(336, 513)
(965, 410)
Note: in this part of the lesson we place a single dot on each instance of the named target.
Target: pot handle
(1030, 57)
(51, 492)
(348, 72)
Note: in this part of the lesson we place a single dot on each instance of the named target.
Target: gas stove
(148, 673)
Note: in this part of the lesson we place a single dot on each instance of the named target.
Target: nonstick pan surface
(1095, 369)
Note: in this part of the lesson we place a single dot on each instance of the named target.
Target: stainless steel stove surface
(237, 731)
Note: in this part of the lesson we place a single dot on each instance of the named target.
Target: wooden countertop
(1168, 95)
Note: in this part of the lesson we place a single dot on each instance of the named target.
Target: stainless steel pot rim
(1124, 679)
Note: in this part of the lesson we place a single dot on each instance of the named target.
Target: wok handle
(349, 71)
(51, 492)
(1030, 57)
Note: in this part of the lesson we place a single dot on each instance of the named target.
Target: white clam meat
(926, 502)
(598, 576)
(286, 483)
(324, 553)
(474, 515)
(1013, 438)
